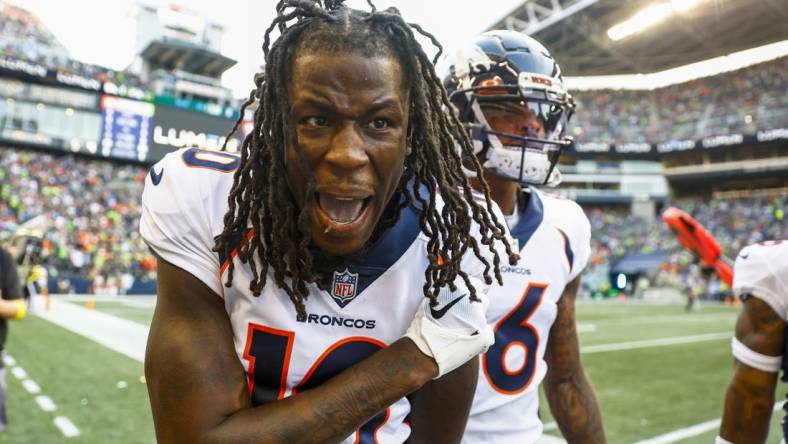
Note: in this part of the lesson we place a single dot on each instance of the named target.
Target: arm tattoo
(748, 409)
(568, 391)
(750, 396)
(368, 393)
(760, 328)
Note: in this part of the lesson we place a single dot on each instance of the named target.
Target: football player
(760, 279)
(292, 278)
(510, 93)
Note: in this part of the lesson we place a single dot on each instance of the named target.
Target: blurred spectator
(738, 102)
(11, 307)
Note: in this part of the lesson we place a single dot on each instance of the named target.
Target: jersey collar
(531, 217)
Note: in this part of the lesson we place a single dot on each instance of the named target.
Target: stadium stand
(738, 102)
(92, 209)
(93, 204)
(24, 37)
(735, 223)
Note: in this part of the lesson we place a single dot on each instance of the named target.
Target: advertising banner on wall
(175, 128)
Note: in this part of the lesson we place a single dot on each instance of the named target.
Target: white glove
(453, 331)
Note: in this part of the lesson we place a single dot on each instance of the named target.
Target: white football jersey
(370, 304)
(761, 270)
(554, 238)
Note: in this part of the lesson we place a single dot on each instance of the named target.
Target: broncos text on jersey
(370, 303)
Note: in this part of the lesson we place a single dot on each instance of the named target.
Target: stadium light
(681, 74)
(648, 17)
(645, 18)
(621, 281)
(683, 5)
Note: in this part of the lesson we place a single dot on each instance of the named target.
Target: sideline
(121, 335)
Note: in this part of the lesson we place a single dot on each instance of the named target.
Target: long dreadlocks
(260, 193)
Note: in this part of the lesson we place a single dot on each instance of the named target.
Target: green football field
(659, 373)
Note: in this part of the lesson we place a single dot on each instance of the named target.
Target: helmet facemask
(529, 159)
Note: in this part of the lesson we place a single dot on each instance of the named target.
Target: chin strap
(555, 178)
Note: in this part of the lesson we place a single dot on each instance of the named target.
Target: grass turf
(644, 392)
(98, 389)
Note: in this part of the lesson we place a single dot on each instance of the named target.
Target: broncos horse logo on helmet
(507, 66)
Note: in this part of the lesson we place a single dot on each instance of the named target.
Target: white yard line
(46, 403)
(121, 335)
(9, 361)
(103, 298)
(689, 432)
(658, 342)
(147, 303)
(129, 338)
(19, 372)
(692, 318)
(66, 427)
(31, 386)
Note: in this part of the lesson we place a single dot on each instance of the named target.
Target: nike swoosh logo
(156, 178)
(437, 314)
(744, 256)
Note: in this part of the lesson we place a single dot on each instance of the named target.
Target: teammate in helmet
(509, 92)
(308, 285)
(760, 279)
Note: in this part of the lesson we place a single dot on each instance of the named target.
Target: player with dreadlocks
(292, 278)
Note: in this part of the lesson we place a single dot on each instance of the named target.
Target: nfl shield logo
(343, 289)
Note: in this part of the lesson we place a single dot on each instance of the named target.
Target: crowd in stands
(737, 102)
(92, 212)
(92, 207)
(735, 223)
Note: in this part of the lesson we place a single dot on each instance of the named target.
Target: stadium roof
(186, 56)
(576, 32)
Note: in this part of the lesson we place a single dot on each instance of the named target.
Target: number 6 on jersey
(514, 331)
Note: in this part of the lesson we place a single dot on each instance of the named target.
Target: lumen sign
(179, 138)
(175, 128)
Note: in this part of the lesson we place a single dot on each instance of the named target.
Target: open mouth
(343, 210)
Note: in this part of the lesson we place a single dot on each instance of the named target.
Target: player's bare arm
(199, 391)
(432, 421)
(567, 388)
(15, 309)
(750, 396)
